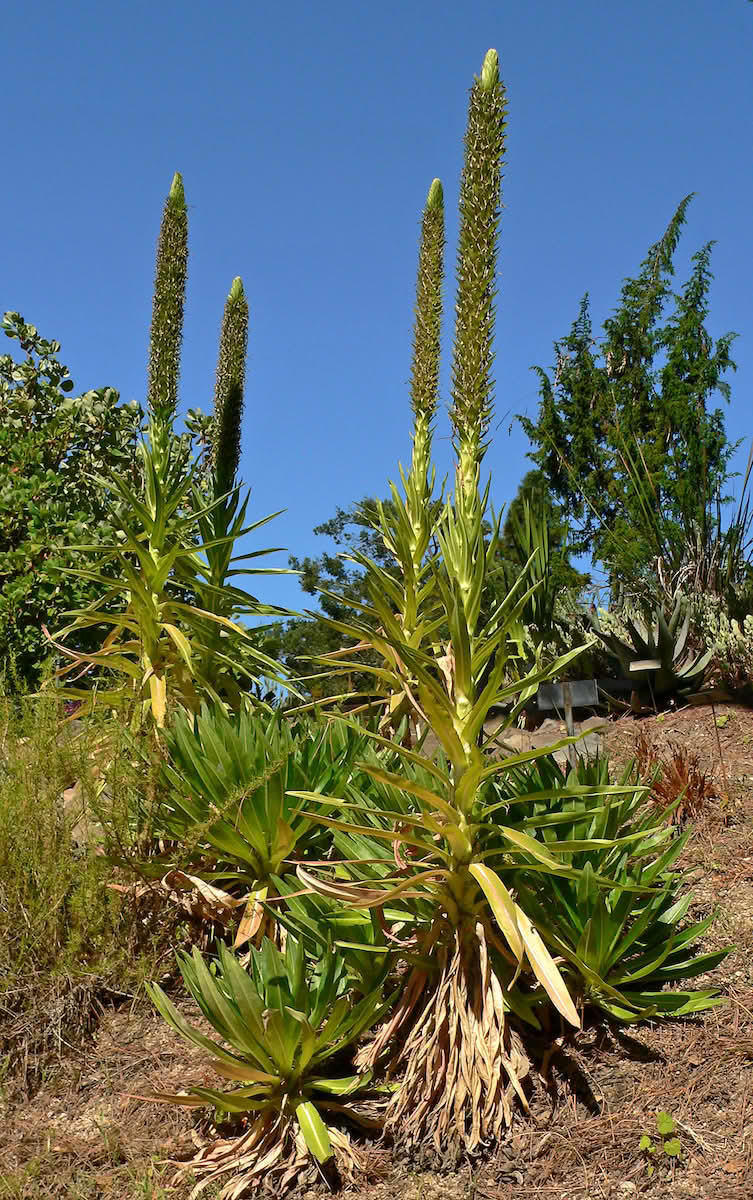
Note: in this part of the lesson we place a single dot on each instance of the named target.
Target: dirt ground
(84, 1136)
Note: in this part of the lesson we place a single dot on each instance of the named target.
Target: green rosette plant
(619, 919)
(226, 802)
(287, 1022)
(358, 936)
(658, 637)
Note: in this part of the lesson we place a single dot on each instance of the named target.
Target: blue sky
(307, 135)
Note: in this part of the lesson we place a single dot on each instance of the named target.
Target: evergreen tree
(625, 434)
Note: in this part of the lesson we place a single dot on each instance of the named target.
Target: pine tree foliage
(626, 434)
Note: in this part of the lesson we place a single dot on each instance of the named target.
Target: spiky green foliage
(227, 779)
(330, 577)
(228, 390)
(480, 191)
(321, 924)
(662, 639)
(156, 653)
(285, 1020)
(625, 942)
(167, 308)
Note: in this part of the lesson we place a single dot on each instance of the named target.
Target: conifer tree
(625, 433)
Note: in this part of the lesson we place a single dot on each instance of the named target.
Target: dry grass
(83, 1137)
(675, 774)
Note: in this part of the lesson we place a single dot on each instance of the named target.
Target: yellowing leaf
(181, 641)
(545, 969)
(253, 915)
(158, 692)
(502, 905)
(243, 1073)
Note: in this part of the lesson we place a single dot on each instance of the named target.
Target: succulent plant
(658, 651)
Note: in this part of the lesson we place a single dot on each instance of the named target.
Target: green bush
(51, 443)
(64, 935)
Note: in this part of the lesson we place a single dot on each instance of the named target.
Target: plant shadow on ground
(84, 1135)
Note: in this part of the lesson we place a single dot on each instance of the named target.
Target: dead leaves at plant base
(209, 907)
(271, 1157)
(463, 1063)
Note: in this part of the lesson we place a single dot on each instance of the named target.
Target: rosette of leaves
(662, 639)
(322, 924)
(285, 1024)
(618, 917)
(226, 797)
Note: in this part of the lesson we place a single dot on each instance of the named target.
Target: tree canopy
(52, 446)
(626, 433)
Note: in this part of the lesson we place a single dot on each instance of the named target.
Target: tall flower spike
(167, 309)
(228, 390)
(426, 330)
(425, 368)
(480, 190)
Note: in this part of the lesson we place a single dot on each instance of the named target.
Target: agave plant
(446, 667)
(660, 640)
(171, 612)
(286, 1022)
(227, 778)
(618, 921)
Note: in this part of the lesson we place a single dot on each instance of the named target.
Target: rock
(85, 831)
